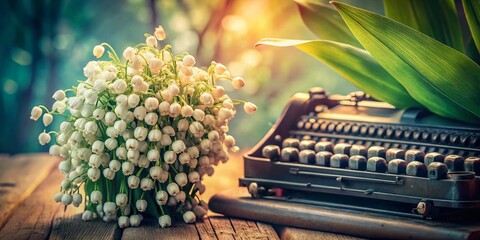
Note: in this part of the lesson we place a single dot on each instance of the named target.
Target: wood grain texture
(19, 176)
(289, 233)
(222, 227)
(150, 229)
(268, 230)
(247, 230)
(205, 229)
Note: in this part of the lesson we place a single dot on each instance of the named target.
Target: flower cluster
(140, 133)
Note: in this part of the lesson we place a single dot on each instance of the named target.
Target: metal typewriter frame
(298, 181)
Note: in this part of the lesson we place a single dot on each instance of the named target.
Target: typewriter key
(307, 156)
(473, 164)
(377, 164)
(357, 162)
(437, 171)
(417, 169)
(454, 163)
(397, 166)
(324, 146)
(291, 142)
(358, 150)
(342, 148)
(289, 154)
(433, 157)
(323, 158)
(376, 151)
(414, 155)
(307, 144)
(339, 160)
(271, 152)
(394, 153)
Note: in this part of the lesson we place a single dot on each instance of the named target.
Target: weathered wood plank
(19, 176)
(205, 230)
(268, 230)
(222, 227)
(246, 230)
(289, 233)
(149, 229)
(32, 218)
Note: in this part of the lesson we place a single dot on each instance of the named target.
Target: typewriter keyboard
(394, 160)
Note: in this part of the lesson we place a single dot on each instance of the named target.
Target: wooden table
(27, 210)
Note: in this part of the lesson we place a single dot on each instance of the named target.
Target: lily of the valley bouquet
(140, 133)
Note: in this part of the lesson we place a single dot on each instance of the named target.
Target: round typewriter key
(324, 146)
(271, 152)
(437, 171)
(394, 153)
(473, 164)
(358, 150)
(339, 160)
(307, 156)
(414, 155)
(417, 169)
(454, 163)
(376, 151)
(289, 154)
(291, 142)
(357, 162)
(397, 166)
(307, 144)
(377, 164)
(342, 148)
(323, 158)
(433, 157)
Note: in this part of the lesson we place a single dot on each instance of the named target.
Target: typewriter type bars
(361, 149)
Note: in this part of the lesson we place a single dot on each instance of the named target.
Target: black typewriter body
(354, 152)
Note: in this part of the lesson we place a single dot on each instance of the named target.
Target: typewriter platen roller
(354, 152)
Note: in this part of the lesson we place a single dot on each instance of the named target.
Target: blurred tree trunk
(154, 21)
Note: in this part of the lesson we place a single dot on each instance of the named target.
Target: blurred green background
(46, 43)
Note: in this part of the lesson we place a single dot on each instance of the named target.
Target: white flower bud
(140, 133)
(143, 162)
(184, 158)
(141, 205)
(178, 146)
(36, 113)
(193, 163)
(205, 144)
(100, 85)
(108, 173)
(181, 179)
(199, 211)
(98, 51)
(164, 221)
(194, 177)
(137, 62)
(151, 41)
(98, 113)
(93, 174)
(182, 125)
(77, 199)
(181, 196)
(193, 152)
(140, 112)
(187, 111)
(166, 95)
(98, 147)
(135, 220)
(229, 141)
(54, 150)
(133, 181)
(121, 153)
(91, 128)
(164, 108)
(44, 138)
(58, 197)
(154, 135)
(165, 140)
(198, 115)
(67, 199)
(195, 127)
(65, 127)
(175, 109)
(160, 35)
(189, 217)
(151, 118)
(168, 130)
(119, 86)
(155, 172)
(128, 53)
(155, 64)
(238, 82)
(90, 96)
(128, 117)
(132, 144)
(120, 126)
(228, 104)
(111, 143)
(133, 156)
(133, 100)
(249, 108)
(146, 184)
(47, 119)
(173, 189)
(161, 197)
(219, 69)
(151, 104)
(87, 215)
(95, 161)
(110, 118)
(153, 155)
(170, 157)
(174, 89)
(121, 199)
(114, 165)
(188, 61)
(127, 168)
(207, 99)
(75, 103)
(109, 208)
(59, 95)
(218, 92)
(64, 167)
(209, 120)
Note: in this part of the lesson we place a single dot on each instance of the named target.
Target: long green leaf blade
(472, 13)
(354, 64)
(439, 77)
(436, 18)
(325, 22)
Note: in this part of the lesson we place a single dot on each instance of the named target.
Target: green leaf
(437, 18)
(354, 64)
(325, 22)
(472, 13)
(439, 77)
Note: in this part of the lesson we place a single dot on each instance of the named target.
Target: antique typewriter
(357, 153)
